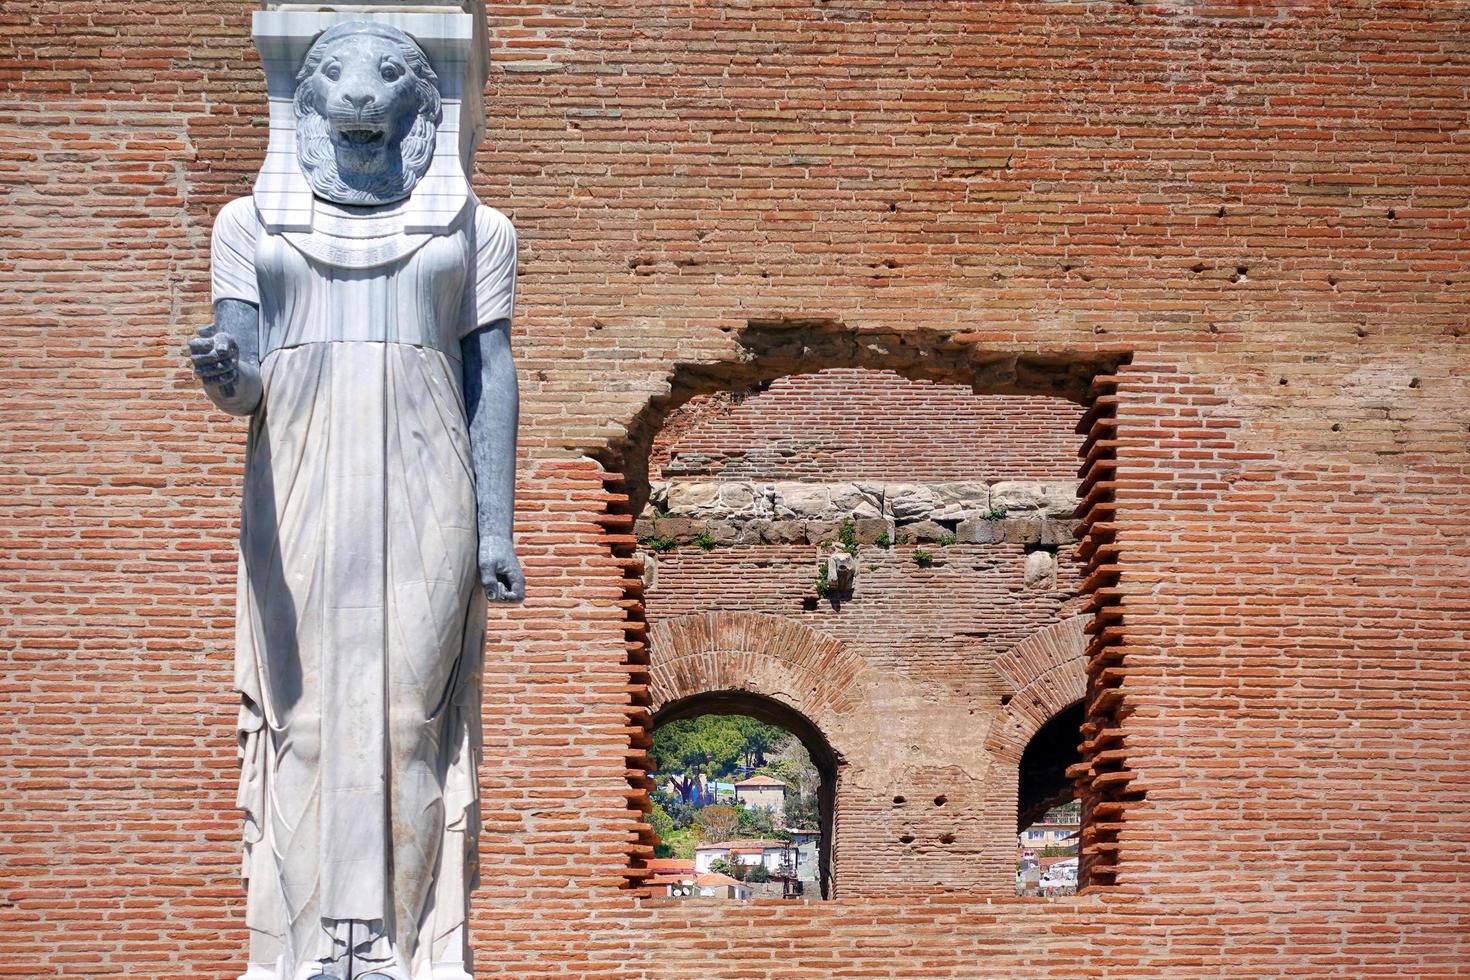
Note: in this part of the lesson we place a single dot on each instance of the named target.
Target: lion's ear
(432, 108)
(301, 99)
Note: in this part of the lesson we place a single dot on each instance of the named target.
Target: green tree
(757, 821)
(715, 745)
(801, 811)
(663, 825)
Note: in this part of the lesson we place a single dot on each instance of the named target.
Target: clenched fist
(226, 358)
(500, 571)
(216, 358)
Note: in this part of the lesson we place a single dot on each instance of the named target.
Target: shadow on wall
(770, 349)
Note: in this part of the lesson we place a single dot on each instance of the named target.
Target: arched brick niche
(772, 656)
(767, 667)
(1047, 673)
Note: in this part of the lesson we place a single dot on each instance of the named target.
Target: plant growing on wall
(923, 558)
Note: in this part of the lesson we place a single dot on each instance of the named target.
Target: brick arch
(1047, 674)
(805, 669)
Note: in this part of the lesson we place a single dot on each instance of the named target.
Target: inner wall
(959, 509)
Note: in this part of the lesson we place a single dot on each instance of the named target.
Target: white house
(770, 853)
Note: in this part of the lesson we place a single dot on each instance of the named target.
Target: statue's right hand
(216, 357)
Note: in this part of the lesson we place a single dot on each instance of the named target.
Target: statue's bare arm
(492, 400)
(226, 357)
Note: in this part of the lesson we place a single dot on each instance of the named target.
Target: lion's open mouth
(361, 137)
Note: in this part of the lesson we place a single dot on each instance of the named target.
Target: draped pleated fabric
(361, 620)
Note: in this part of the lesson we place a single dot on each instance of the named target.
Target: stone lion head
(367, 110)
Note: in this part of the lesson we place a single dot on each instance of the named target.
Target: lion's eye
(333, 71)
(391, 72)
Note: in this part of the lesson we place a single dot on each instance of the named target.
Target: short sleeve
(232, 252)
(495, 268)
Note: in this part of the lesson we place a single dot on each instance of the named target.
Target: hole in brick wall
(1048, 815)
(657, 441)
(745, 787)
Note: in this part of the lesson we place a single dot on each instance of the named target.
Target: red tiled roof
(743, 845)
(760, 781)
(662, 866)
(715, 878)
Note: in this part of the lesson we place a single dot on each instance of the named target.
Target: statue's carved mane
(315, 151)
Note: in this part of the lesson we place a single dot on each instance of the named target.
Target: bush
(757, 874)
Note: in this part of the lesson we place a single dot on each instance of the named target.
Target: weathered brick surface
(1264, 203)
(871, 425)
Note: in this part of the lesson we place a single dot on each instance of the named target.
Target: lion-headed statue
(367, 110)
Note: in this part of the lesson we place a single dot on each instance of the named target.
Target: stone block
(1054, 532)
(821, 532)
(978, 530)
(680, 529)
(1017, 497)
(722, 532)
(1040, 570)
(854, 500)
(910, 502)
(959, 501)
(800, 500)
(1059, 499)
(752, 531)
(1021, 530)
(643, 527)
(686, 499)
(926, 531)
(869, 530)
(785, 532)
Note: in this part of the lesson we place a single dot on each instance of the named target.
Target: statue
(373, 359)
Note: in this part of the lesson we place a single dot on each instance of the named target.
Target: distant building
(765, 792)
(1053, 830)
(714, 885)
(672, 877)
(771, 853)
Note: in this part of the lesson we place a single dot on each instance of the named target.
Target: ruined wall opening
(848, 527)
(756, 782)
(1048, 813)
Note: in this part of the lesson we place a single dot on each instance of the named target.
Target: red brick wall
(1265, 203)
(870, 425)
(925, 639)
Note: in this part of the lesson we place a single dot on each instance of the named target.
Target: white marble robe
(361, 619)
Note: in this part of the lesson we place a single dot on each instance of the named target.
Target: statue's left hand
(500, 571)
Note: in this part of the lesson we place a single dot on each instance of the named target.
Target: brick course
(1263, 203)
